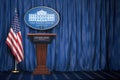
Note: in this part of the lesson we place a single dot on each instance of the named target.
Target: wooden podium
(41, 40)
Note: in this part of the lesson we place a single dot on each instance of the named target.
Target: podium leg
(41, 51)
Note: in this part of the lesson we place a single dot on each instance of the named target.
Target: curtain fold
(87, 36)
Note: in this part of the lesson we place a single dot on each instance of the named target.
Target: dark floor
(83, 75)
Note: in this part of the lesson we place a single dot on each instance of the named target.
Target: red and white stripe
(14, 41)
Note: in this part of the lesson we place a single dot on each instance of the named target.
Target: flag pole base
(15, 71)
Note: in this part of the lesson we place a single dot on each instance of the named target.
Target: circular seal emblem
(41, 18)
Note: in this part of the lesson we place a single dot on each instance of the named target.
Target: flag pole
(15, 68)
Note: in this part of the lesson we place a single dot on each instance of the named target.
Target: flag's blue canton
(16, 26)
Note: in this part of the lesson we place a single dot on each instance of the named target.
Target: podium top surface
(41, 34)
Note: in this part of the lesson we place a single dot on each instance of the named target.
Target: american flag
(14, 39)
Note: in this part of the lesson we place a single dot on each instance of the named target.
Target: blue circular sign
(41, 18)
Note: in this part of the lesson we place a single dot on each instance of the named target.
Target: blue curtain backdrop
(88, 35)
